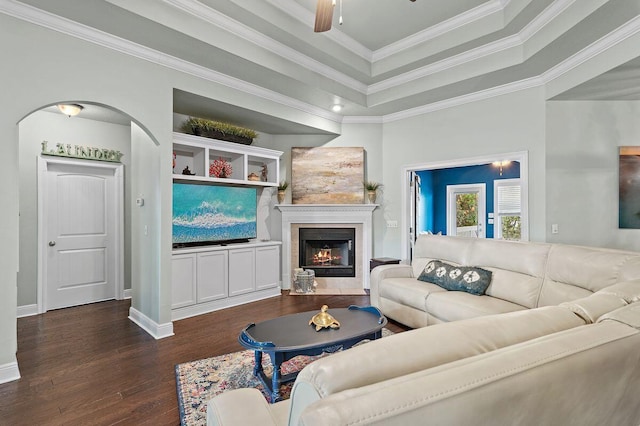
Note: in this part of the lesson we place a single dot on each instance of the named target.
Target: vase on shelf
(372, 196)
(281, 196)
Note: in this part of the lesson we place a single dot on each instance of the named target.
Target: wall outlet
(554, 228)
(392, 224)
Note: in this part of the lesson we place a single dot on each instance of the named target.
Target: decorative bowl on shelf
(253, 177)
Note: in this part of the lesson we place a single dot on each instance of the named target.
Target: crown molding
(364, 119)
(550, 13)
(620, 34)
(54, 22)
(514, 41)
(213, 17)
(47, 20)
(445, 64)
(461, 20)
(465, 99)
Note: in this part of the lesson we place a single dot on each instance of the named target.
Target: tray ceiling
(387, 58)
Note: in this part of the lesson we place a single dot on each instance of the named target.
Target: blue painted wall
(433, 191)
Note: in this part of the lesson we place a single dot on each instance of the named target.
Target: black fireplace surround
(330, 252)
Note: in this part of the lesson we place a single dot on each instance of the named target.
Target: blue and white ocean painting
(205, 213)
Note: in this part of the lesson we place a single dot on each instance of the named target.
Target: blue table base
(272, 384)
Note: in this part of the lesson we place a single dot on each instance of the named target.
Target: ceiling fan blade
(324, 16)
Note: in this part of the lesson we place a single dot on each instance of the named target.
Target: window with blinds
(508, 210)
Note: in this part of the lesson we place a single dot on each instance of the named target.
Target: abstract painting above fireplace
(327, 175)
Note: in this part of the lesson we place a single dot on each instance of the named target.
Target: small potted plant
(282, 187)
(372, 189)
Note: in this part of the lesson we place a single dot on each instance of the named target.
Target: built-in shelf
(198, 153)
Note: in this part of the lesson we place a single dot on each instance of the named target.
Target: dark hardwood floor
(90, 365)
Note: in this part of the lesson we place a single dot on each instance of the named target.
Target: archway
(100, 126)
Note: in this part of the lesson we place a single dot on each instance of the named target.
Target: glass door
(466, 210)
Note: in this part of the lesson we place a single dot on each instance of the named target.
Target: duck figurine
(324, 319)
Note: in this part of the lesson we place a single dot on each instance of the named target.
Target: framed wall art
(327, 175)
(629, 187)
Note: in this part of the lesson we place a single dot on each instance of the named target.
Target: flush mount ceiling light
(336, 108)
(70, 110)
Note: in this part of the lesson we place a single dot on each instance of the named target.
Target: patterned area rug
(199, 381)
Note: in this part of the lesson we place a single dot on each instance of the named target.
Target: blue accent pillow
(470, 279)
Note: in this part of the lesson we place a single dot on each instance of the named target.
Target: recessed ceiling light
(336, 108)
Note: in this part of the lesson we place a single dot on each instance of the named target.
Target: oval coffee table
(286, 337)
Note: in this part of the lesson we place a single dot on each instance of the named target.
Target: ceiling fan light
(70, 110)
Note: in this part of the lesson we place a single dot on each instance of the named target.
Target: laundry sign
(83, 152)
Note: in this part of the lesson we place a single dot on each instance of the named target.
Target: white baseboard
(127, 293)
(9, 372)
(157, 331)
(27, 310)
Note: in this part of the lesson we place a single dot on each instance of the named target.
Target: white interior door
(466, 210)
(81, 226)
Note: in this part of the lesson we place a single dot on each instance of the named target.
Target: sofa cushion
(407, 291)
(469, 279)
(457, 305)
(574, 272)
(455, 250)
(515, 287)
(525, 258)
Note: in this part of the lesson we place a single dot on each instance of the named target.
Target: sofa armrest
(592, 307)
(245, 406)
(627, 290)
(386, 271)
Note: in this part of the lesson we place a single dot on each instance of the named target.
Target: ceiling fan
(324, 15)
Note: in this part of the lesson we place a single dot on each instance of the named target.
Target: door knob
(52, 243)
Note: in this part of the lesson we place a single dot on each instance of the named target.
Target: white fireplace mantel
(326, 213)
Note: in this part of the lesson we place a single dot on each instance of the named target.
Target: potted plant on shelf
(219, 130)
(282, 188)
(372, 190)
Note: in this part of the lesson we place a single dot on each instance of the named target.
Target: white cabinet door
(267, 267)
(183, 279)
(212, 275)
(241, 271)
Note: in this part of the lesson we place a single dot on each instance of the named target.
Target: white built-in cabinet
(209, 278)
(206, 279)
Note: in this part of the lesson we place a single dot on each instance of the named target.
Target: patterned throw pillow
(470, 279)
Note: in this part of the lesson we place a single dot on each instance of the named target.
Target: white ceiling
(389, 56)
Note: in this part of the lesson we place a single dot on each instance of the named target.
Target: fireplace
(330, 252)
(358, 216)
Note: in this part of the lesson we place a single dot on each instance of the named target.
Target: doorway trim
(43, 166)
(520, 156)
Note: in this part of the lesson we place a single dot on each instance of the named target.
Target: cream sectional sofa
(541, 366)
(524, 276)
(561, 348)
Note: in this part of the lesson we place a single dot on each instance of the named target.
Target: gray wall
(57, 128)
(509, 123)
(582, 171)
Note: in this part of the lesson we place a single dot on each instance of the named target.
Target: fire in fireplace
(330, 252)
